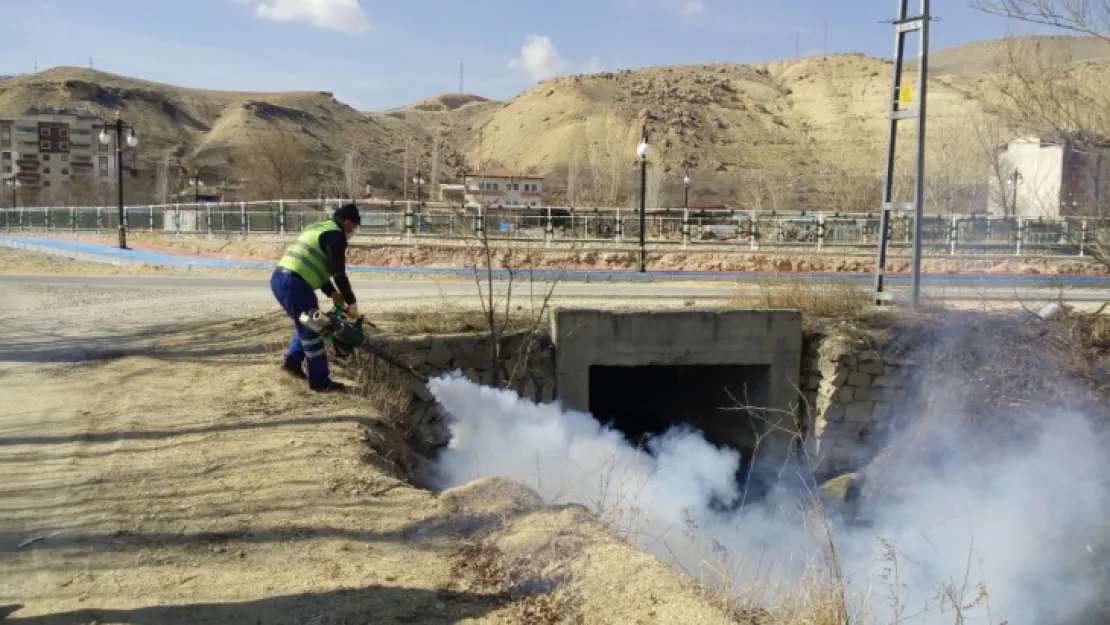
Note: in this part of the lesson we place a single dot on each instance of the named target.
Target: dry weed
(811, 297)
(447, 320)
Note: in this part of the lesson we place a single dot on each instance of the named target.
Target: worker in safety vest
(314, 261)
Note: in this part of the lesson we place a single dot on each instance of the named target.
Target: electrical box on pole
(902, 102)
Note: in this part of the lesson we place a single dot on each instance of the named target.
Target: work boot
(294, 369)
(332, 387)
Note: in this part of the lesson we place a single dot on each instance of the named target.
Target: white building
(1060, 175)
(503, 187)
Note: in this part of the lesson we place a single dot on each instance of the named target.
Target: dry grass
(811, 297)
(449, 320)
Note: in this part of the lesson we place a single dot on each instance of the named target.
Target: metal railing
(596, 227)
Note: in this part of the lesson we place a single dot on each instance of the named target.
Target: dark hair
(348, 211)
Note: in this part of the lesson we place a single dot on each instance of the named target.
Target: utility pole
(903, 95)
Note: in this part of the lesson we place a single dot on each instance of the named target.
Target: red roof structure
(503, 172)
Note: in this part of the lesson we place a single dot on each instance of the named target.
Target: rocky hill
(716, 120)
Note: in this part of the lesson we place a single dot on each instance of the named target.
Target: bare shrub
(275, 165)
(811, 297)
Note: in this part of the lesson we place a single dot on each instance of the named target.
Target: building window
(6, 137)
(104, 164)
(65, 158)
(44, 145)
(44, 132)
(45, 157)
(65, 172)
(46, 183)
(63, 132)
(63, 145)
(46, 170)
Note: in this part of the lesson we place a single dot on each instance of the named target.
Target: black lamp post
(1015, 179)
(14, 183)
(195, 182)
(686, 187)
(418, 182)
(132, 140)
(642, 151)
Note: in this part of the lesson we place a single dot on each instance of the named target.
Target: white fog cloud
(538, 57)
(342, 15)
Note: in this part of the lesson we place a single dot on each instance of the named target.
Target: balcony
(81, 165)
(27, 163)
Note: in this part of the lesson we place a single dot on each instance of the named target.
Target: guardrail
(719, 230)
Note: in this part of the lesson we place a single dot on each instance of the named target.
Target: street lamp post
(418, 182)
(132, 140)
(193, 180)
(642, 151)
(14, 184)
(1015, 178)
(686, 187)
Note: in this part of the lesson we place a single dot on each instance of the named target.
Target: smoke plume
(1012, 538)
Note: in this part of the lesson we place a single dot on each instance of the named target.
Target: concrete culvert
(720, 401)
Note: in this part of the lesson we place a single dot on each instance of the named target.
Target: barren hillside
(721, 121)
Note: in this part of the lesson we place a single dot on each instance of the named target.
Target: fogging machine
(347, 336)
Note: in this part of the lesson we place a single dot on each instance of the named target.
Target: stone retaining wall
(854, 398)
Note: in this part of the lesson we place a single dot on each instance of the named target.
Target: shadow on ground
(371, 604)
(188, 341)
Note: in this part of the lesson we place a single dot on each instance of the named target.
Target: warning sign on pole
(905, 94)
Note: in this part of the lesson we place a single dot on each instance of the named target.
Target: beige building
(55, 151)
(503, 187)
(1059, 175)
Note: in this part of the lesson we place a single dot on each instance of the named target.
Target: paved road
(415, 289)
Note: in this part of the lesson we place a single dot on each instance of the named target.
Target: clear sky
(378, 54)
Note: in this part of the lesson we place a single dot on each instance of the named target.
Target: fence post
(953, 235)
(479, 224)
(548, 229)
(820, 231)
(685, 227)
(753, 233)
(1083, 239)
(99, 219)
(281, 218)
(208, 220)
(618, 227)
(407, 224)
(1020, 236)
(73, 219)
(244, 224)
(47, 214)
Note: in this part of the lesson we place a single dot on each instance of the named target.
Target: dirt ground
(158, 469)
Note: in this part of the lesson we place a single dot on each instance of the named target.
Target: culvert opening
(723, 402)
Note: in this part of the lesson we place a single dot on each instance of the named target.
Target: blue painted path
(105, 253)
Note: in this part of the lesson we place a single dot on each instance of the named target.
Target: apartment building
(51, 149)
(503, 187)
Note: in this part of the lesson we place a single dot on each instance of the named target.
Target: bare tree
(433, 172)
(162, 181)
(1089, 17)
(949, 168)
(274, 165)
(653, 189)
(990, 136)
(354, 175)
(574, 183)
(766, 190)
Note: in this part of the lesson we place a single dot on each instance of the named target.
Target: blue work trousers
(296, 297)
